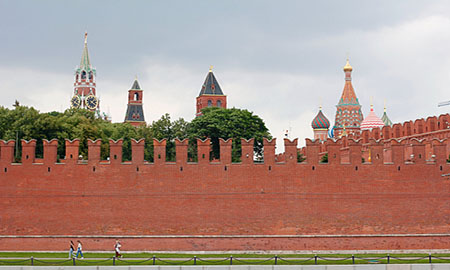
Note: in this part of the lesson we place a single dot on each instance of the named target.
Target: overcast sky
(279, 59)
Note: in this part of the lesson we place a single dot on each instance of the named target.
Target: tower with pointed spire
(135, 112)
(211, 94)
(348, 110)
(84, 95)
(385, 118)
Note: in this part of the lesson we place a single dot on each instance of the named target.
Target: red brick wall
(180, 198)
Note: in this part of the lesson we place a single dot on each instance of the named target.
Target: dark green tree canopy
(27, 123)
(232, 123)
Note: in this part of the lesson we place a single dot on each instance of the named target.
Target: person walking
(117, 247)
(72, 249)
(80, 250)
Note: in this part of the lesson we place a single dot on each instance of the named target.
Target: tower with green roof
(385, 118)
(84, 95)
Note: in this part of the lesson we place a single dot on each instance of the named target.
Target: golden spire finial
(135, 77)
(347, 66)
(371, 103)
(85, 37)
(210, 68)
(384, 105)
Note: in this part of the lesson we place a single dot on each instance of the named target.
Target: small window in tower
(91, 75)
(136, 96)
(209, 103)
(83, 75)
(219, 103)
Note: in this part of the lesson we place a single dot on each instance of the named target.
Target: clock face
(75, 102)
(91, 102)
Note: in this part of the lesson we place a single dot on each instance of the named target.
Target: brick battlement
(383, 188)
(435, 127)
(342, 151)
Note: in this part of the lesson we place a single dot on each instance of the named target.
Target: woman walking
(72, 249)
(80, 249)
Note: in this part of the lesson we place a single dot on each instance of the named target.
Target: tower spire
(135, 111)
(211, 94)
(85, 63)
(385, 118)
(348, 111)
(85, 85)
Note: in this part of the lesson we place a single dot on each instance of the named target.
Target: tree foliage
(232, 123)
(27, 123)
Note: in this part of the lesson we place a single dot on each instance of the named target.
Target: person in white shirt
(80, 250)
(117, 247)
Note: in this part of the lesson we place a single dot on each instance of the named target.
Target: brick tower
(320, 125)
(348, 110)
(84, 85)
(135, 112)
(211, 95)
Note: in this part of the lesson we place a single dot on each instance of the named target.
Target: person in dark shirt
(71, 250)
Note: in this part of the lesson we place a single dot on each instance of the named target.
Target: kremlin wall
(382, 187)
(392, 202)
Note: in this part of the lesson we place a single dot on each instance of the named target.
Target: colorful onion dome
(320, 121)
(371, 121)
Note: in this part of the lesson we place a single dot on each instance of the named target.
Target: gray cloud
(279, 59)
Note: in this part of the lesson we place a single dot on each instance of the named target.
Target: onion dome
(320, 121)
(371, 121)
(347, 66)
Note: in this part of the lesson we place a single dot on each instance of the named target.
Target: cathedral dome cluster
(349, 118)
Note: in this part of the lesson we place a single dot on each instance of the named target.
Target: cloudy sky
(279, 59)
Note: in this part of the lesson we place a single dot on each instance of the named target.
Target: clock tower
(84, 95)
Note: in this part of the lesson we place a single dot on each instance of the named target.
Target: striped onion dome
(371, 121)
(320, 121)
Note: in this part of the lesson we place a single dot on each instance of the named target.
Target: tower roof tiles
(211, 86)
(136, 85)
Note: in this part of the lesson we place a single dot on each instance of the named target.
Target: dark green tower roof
(136, 85)
(211, 86)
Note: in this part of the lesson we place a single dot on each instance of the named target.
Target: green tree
(232, 123)
(164, 128)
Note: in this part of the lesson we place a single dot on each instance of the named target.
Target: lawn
(61, 258)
